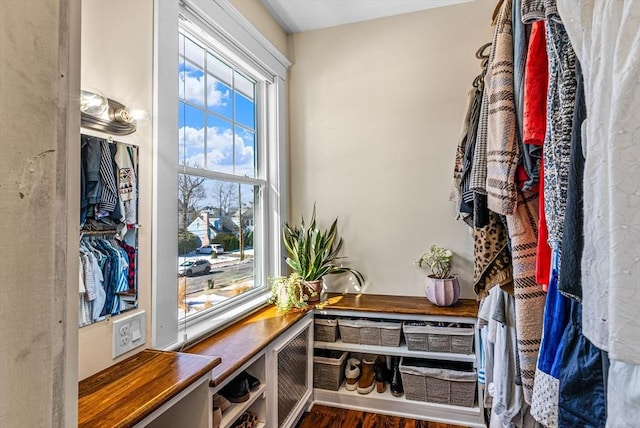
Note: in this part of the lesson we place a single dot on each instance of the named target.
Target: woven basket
(444, 382)
(421, 336)
(349, 330)
(328, 368)
(370, 332)
(325, 329)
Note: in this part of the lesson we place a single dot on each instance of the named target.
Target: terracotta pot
(442, 292)
(316, 287)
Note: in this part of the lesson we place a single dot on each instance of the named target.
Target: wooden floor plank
(332, 417)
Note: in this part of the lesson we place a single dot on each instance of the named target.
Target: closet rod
(84, 233)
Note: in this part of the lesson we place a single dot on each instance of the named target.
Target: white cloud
(192, 89)
(219, 149)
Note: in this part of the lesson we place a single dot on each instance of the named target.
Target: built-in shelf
(398, 406)
(236, 409)
(397, 309)
(151, 388)
(401, 351)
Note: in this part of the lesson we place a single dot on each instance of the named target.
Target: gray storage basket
(380, 333)
(328, 368)
(421, 336)
(349, 330)
(370, 332)
(325, 329)
(444, 382)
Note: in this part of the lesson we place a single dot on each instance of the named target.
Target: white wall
(117, 58)
(255, 13)
(375, 114)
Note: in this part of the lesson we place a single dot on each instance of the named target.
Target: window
(219, 177)
(219, 192)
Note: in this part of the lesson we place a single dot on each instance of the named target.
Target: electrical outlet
(128, 333)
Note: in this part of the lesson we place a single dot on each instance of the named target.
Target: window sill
(204, 326)
(237, 344)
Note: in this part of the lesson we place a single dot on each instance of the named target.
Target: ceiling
(303, 15)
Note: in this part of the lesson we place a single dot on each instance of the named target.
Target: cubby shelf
(401, 308)
(399, 406)
(401, 351)
(233, 413)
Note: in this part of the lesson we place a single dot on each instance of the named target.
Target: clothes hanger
(481, 54)
(478, 81)
(496, 12)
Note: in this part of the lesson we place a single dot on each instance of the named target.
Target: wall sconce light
(106, 115)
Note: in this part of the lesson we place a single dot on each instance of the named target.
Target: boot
(382, 374)
(236, 391)
(352, 373)
(221, 402)
(254, 382)
(367, 378)
(396, 378)
(217, 417)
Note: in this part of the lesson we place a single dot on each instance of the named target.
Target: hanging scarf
(502, 145)
(530, 298)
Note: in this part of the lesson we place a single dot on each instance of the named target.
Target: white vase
(442, 292)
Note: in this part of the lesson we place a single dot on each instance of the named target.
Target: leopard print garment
(492, 260)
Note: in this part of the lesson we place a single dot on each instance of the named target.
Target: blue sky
(228, 148)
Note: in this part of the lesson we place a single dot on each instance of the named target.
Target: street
(224, 274)
(229, 275)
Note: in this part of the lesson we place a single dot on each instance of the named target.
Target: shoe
(246, 420)
(217, 417)
(352, 373)
(367, 377)
(396, 378)
(254, 382)
(381, 373)
(221, 402)
(236, 391)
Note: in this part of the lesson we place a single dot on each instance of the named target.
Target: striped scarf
(530, 299)
(109, 196)
(502, 145)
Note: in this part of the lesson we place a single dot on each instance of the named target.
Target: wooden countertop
(125, 393)
(411, 305)
(239, 342)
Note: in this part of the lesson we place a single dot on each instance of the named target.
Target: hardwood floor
(331, 417)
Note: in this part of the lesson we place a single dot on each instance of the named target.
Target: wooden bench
(149, 388)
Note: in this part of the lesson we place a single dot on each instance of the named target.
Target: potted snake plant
(313, 253)
(443, 288)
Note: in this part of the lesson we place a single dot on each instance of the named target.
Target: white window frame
(226, 27)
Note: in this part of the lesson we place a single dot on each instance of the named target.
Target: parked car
(192, 267)
(209, 249)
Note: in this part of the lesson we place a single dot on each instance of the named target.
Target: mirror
(108, 279)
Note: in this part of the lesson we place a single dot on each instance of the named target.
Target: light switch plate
(128, 333)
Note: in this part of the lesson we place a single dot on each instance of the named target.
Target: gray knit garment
(557, 144)
(538, 10)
